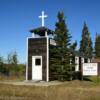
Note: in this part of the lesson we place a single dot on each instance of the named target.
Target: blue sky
(17, 17)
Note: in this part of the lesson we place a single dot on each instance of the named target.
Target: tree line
(10, 65)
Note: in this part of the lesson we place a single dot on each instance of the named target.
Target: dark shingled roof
(77, 53)
(41, 31)
(96, 60)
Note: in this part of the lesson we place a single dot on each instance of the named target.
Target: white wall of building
(76, 63)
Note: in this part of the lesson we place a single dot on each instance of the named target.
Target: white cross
(43, 16)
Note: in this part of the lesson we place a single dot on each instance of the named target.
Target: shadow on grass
(87, 78)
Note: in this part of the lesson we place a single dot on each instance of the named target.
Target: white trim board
(27, 60)
(47, 59)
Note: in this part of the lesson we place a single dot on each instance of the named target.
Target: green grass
(95, 79)
(73, 90)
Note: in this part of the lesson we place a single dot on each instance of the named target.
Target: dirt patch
(34, 83)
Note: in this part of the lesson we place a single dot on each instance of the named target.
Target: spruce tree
(97, 46)
(86, 43)
(60, 59)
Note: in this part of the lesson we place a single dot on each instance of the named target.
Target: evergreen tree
(97, 46)
(60, 54)
(86, 43)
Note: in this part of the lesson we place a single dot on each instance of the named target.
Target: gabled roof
(41, 31)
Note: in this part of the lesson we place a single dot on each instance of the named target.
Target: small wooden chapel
(38, 53)
(37, 67)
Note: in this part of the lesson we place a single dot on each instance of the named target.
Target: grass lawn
(73, 90)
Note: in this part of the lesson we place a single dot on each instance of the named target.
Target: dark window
(38, 61)
(86, 61)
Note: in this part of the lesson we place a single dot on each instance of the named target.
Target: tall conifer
(86, 42)
(61, 53)
(97, 46)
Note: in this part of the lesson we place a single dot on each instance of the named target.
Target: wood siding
(98, 68)
(37, 47)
